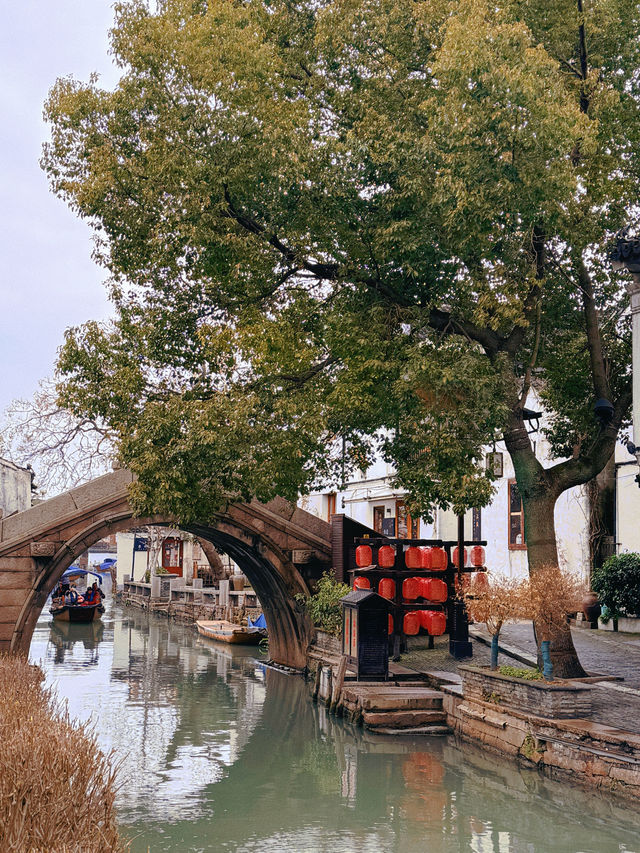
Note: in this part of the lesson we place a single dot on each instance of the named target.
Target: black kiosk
(365, 643)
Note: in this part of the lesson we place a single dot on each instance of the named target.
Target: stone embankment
(190, 602)
(434, 703)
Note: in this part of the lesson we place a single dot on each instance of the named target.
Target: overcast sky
(48, 281)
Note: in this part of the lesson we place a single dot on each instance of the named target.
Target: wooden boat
(227, 632)
(74, 612)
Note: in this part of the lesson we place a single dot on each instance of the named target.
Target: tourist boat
(64, 611)
(74, 612)
(228, 632)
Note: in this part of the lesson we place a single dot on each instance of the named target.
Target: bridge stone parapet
(39, 544)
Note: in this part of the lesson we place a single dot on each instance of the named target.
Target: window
(378, 518)
(406, 527)
(331, 505)
(516, 519)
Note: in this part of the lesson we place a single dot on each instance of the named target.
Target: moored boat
(228, 632)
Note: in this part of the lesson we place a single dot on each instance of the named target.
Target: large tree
(334, 223)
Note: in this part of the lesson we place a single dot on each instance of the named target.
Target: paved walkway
(616, 703)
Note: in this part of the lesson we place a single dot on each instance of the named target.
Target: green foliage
(324, 605)
(346, 224)
(521, 672)
(617, 584)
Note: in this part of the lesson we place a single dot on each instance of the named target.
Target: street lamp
(626, 256)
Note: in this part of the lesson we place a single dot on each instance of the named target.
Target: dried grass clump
(57, 789)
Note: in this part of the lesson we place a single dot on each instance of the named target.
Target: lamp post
(626, 256)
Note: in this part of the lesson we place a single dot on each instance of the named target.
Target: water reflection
(219, 753)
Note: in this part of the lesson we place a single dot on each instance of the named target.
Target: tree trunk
(601, 493)
(539, 493)
(540, 536)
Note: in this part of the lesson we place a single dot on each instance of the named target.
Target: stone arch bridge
(280, 548)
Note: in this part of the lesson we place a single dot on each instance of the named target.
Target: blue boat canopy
(259, 623)
(76, 571)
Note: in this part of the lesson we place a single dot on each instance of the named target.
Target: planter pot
(628, 624)
(591, 607)
(553, 700)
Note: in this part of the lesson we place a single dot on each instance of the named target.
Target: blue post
(494, 651)
(547, 666)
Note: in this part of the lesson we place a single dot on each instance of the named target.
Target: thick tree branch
(581, 469)
(443, 321)
(324, 271)
(594, 340)
(584, 66)
(538, 248)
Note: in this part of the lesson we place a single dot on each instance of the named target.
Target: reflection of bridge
(37, 545)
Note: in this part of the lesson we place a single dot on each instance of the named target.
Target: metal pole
(459, 644)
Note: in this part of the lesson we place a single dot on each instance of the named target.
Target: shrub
(617, 584)
(57, 789)
(324, 605)
(502, 602)
(551, 596)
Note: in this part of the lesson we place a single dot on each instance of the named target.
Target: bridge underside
(38, 545)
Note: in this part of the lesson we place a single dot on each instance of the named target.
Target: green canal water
(220, 753)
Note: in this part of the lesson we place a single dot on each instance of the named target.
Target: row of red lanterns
(425, 557)
(433, 589)
(434, 622)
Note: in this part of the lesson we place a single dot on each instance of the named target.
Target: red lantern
(433, 589)
(425, 558)
(387, 588)
(412, 558)
(411, 622)
(364, 555)
(361, 583)
(438, 560)
(390, 624)
(386, 557)
(410, 588)
(454, 557)
(477, 555)
(434, 622)
(480, 582)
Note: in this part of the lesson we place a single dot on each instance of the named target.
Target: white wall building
(15, 488)
(369, 498)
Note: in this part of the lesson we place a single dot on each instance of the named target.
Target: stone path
(616, 704)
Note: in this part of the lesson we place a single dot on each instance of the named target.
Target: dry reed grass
(57, 789)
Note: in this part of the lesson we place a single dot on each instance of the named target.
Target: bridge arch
(280, 548)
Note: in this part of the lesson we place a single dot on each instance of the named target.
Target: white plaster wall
(15, 488)
(124, 542)
(627, 502)
(371, 488)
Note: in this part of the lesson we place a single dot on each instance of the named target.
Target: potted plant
(617, 585)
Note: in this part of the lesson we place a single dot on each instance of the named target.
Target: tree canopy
(354, 225)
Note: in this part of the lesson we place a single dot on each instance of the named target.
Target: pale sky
(48, 281)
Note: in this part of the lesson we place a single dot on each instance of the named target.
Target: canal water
(219, 753)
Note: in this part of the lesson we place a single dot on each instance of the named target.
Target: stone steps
(403, 719)
(402, 708)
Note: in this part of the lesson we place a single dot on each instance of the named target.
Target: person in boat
(94, 594)
(72, 596)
